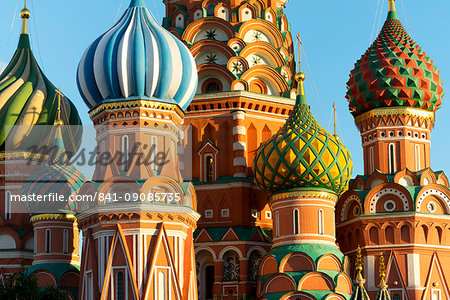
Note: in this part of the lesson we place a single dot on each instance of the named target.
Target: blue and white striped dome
(137, 59)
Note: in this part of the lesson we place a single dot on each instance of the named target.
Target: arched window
(154, 151)
(65, 241)
(277, 224)
(296, 222)
(102, 147)
(213, 86)
(162, 285)
(321, 222)
(371, 160)
(179, 21)
(209, 168)
(120, 286)
(7, 205)
(48, 240)
(391, 158)
(417, 156)
(231, 267)
(210, 10)
(125, 154)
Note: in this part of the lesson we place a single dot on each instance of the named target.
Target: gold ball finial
(59, 122)
(25, 13)
(300, 76)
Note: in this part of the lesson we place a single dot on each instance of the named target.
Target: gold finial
(300, 76)
(58, 121)
(392, 6)
(382, 272)
(25, 15)
(359, 267)
(334, 121)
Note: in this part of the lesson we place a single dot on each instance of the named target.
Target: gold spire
(334, 120)
(300, 76)
(25, 15)
(392, 6)
(383, 284)
(58, 121)
(359, 267)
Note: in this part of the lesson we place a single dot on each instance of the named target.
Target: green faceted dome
(394, 72)
(302, 154)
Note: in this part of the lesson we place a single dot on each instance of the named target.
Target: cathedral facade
(270, 209)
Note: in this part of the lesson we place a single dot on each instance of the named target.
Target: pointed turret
(383, 293)
(359, 291)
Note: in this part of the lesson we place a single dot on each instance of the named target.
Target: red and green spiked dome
(394, 72)
(302, 155)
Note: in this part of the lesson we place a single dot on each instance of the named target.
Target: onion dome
(394, 72)
(27, 100)
(56, 178)
(302, 154)
(137, 59)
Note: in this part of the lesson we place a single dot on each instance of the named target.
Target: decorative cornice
(59, 217)
(395, 111)
(21, 155)
(135, 103)
(304, 194)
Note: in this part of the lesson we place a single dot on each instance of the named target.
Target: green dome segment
(394, 72)
(29, 99)
(302, 155)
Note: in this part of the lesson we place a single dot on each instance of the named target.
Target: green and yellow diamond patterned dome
(302, 154)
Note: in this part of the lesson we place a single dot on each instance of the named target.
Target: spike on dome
(394, 72)
(27, 101)
(137, 59)
(135, 3)
(302, 154)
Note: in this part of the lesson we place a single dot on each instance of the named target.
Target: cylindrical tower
(137, 79)
(28, 109)
(304, 168)
(399, 206)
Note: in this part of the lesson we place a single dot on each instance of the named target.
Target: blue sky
(335, 34)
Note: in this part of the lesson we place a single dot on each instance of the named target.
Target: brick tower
(304, 168)
(400, 206)
(28, 111)
(244, 56)
(138, 234)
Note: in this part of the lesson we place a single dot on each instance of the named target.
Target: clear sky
(335, 34)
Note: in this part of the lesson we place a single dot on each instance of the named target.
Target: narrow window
(65, 241)
(125, 155)
(8, 205)
(417, 155)
(371, 159)
(391, 158)
(296, 225)
(89, 287)
(48, 238)
(209, 168)
(120, 286)
(210, 10)
(102, 147)
(161, 285)
(321, 221)
(154, 150)
(277, 224)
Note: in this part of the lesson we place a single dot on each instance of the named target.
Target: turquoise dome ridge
(137, 59)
